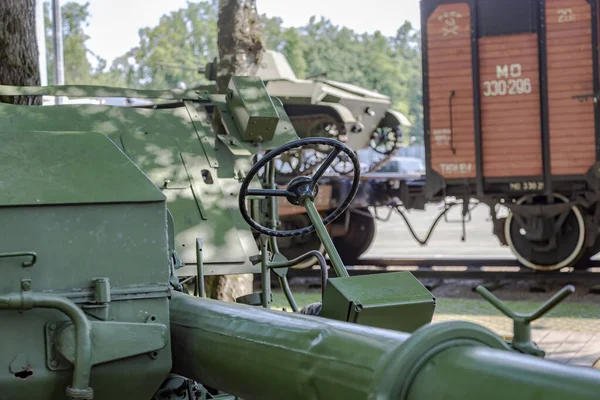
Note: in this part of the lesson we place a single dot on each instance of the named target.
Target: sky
(114, 24)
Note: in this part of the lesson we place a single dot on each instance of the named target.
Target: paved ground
(565, 340)
(394, 240)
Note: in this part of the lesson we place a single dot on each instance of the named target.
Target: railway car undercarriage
(544, 233)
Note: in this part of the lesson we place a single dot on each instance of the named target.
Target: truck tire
(359, 238)
(312, 309)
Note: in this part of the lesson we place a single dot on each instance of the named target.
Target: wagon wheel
(386, 141)
(328, 127)
(295, 163)
(303, 161)
(562, 248)
(342, 165)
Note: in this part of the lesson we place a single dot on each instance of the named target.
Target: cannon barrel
(264, 354)
(479, 372)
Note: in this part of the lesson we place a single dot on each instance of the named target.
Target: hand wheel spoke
(270, 192)
(326, 164)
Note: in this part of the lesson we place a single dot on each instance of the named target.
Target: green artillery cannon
(105, 210)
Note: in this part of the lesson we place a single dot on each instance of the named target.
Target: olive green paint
(252, 108)
(257, 353)
(85, 305)
(175, 147)
(98, 228)
(43, 168)
(395, 301)
(473, 372)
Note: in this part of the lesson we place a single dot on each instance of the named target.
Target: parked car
(405, 168)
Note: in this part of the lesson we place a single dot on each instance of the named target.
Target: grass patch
(303, 298)
(463, 306)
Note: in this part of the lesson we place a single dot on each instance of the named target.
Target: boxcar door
(509, 68)
(449, 103)
(571, 86)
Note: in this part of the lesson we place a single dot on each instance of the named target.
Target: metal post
(59, 64)
(200, 288)
(334, 257)
(265, 276)
(41, 41)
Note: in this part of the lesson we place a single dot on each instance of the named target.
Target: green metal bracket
(234, 145)
(134, 339)
(98, 307)
(522, 322)
(279, 264)
(265, 276)
(174, 264)
(252, 108)
(82, 333)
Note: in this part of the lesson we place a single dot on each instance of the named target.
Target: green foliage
(78, 68)
(184, 38)
(287, 41)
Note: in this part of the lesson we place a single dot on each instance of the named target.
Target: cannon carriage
(106, 212)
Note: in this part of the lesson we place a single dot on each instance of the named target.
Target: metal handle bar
(25, 264)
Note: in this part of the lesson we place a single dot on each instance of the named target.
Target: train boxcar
(511, 117)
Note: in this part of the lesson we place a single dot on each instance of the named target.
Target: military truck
(321, 107)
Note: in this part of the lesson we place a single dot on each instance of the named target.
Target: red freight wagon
(511, 116)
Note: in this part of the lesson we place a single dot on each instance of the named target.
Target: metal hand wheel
(301, 191)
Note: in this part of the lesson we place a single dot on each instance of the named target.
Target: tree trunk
(239, 40)
(18, 48)
(240, 50)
